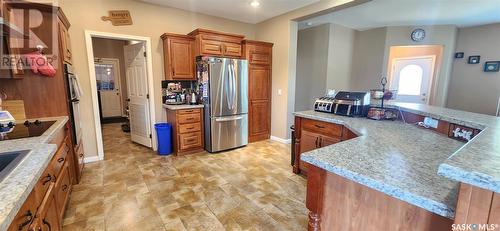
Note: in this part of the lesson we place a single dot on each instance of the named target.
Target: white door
(138, 95)
(412, 78)
(108, 85)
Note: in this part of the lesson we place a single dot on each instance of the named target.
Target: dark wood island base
(336, 203)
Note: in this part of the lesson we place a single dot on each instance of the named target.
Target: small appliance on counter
(345, 103)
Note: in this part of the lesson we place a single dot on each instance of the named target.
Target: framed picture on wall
(474, 59)
(492, 66)
(459, 55)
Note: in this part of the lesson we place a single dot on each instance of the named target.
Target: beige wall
(149, 21)
(471, 89)
(340, 55)
(312, 62)
(435, 35)
(368, 59)
(111, 48)
(282, 31)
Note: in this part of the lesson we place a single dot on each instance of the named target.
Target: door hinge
(147, 96)
(144, 54)
(151, 136)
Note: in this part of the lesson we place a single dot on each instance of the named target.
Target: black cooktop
(27, 129)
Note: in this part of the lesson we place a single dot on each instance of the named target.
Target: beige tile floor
(251, 188)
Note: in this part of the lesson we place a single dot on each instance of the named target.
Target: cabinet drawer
(186, 128)
(190, 140)
(59, 158)
(211, 47)
(188, 118)
(188, 111)
(324, 128)
(232, 49)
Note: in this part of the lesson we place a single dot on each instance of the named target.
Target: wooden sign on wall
(118, 17)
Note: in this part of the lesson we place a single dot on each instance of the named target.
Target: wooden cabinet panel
(189, 118)
(259, 120)
(232, 49)
(47, 211)
(43, 184)
(259, 82)
(187, 128)
(60, 158)
(190, 140)
(325, 128)
(65, 43)
(178, 55)
(80, 156)
(325, 141)
(25, 215)
(62, 190)
(210, 47)
(308, 141)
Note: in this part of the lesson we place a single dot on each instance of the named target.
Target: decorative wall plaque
(118, 17)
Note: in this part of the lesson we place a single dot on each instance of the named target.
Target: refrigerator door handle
(233, 118)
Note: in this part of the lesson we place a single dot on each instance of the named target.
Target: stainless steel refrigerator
(225, 94)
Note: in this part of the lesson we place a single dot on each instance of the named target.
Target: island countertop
(395, 158)
(410, 163)
(16, 187)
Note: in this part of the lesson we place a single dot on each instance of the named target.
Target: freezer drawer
(227, 132)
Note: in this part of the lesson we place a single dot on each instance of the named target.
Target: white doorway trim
(431, 79)
(89, 34)
(118, 80)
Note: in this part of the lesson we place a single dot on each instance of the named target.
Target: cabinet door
(181, 59)
(232, 49)
(65, 43)
(325, 141)
(48, 215)
(25, 215)
(259, 119)
(259, 82)
(211, 47)
(190, 141)
(62, 190)
(308, 141)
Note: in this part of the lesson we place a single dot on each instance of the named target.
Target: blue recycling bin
(164, 136)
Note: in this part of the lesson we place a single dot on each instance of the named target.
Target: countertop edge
(182, 106)
(424, 203)
(473, 178)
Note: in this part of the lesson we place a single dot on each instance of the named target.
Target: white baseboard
(285, 141)
(91, 159)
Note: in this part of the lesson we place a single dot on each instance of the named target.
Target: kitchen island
(387, 178)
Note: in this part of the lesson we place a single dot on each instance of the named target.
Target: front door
(108, 85)
(412, 78)
(138, 95)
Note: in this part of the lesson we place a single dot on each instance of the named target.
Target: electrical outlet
(430, 122)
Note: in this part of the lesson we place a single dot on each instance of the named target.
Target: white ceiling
(380, 13)
(239, 10)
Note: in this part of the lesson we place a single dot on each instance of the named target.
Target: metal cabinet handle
(60, 159)
(81, 154)
(319, 126)
(316, 142)
(45, 222)
(29, 215)
(188, 110)
(65, 187)
(48, 179)
(320, 142)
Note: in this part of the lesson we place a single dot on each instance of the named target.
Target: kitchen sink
(9, 161)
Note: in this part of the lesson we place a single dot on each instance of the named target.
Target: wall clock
(418, 35)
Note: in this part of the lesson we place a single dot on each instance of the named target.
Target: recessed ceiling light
(309, 23)
(255, 3)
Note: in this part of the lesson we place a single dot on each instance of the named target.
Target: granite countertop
(395, 158)
(410, 163)
(16, 187)
(182, 106)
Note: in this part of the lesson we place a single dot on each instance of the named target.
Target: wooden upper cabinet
(178, 56)
(65, 41)
(214, 43)
(257, 52)
(259, 84)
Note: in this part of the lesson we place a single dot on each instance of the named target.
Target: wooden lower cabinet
(312, 134)
(187, 130)
(45, 206)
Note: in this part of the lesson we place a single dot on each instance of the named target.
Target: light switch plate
(433, 123)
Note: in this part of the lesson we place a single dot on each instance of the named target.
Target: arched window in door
(410, 80)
